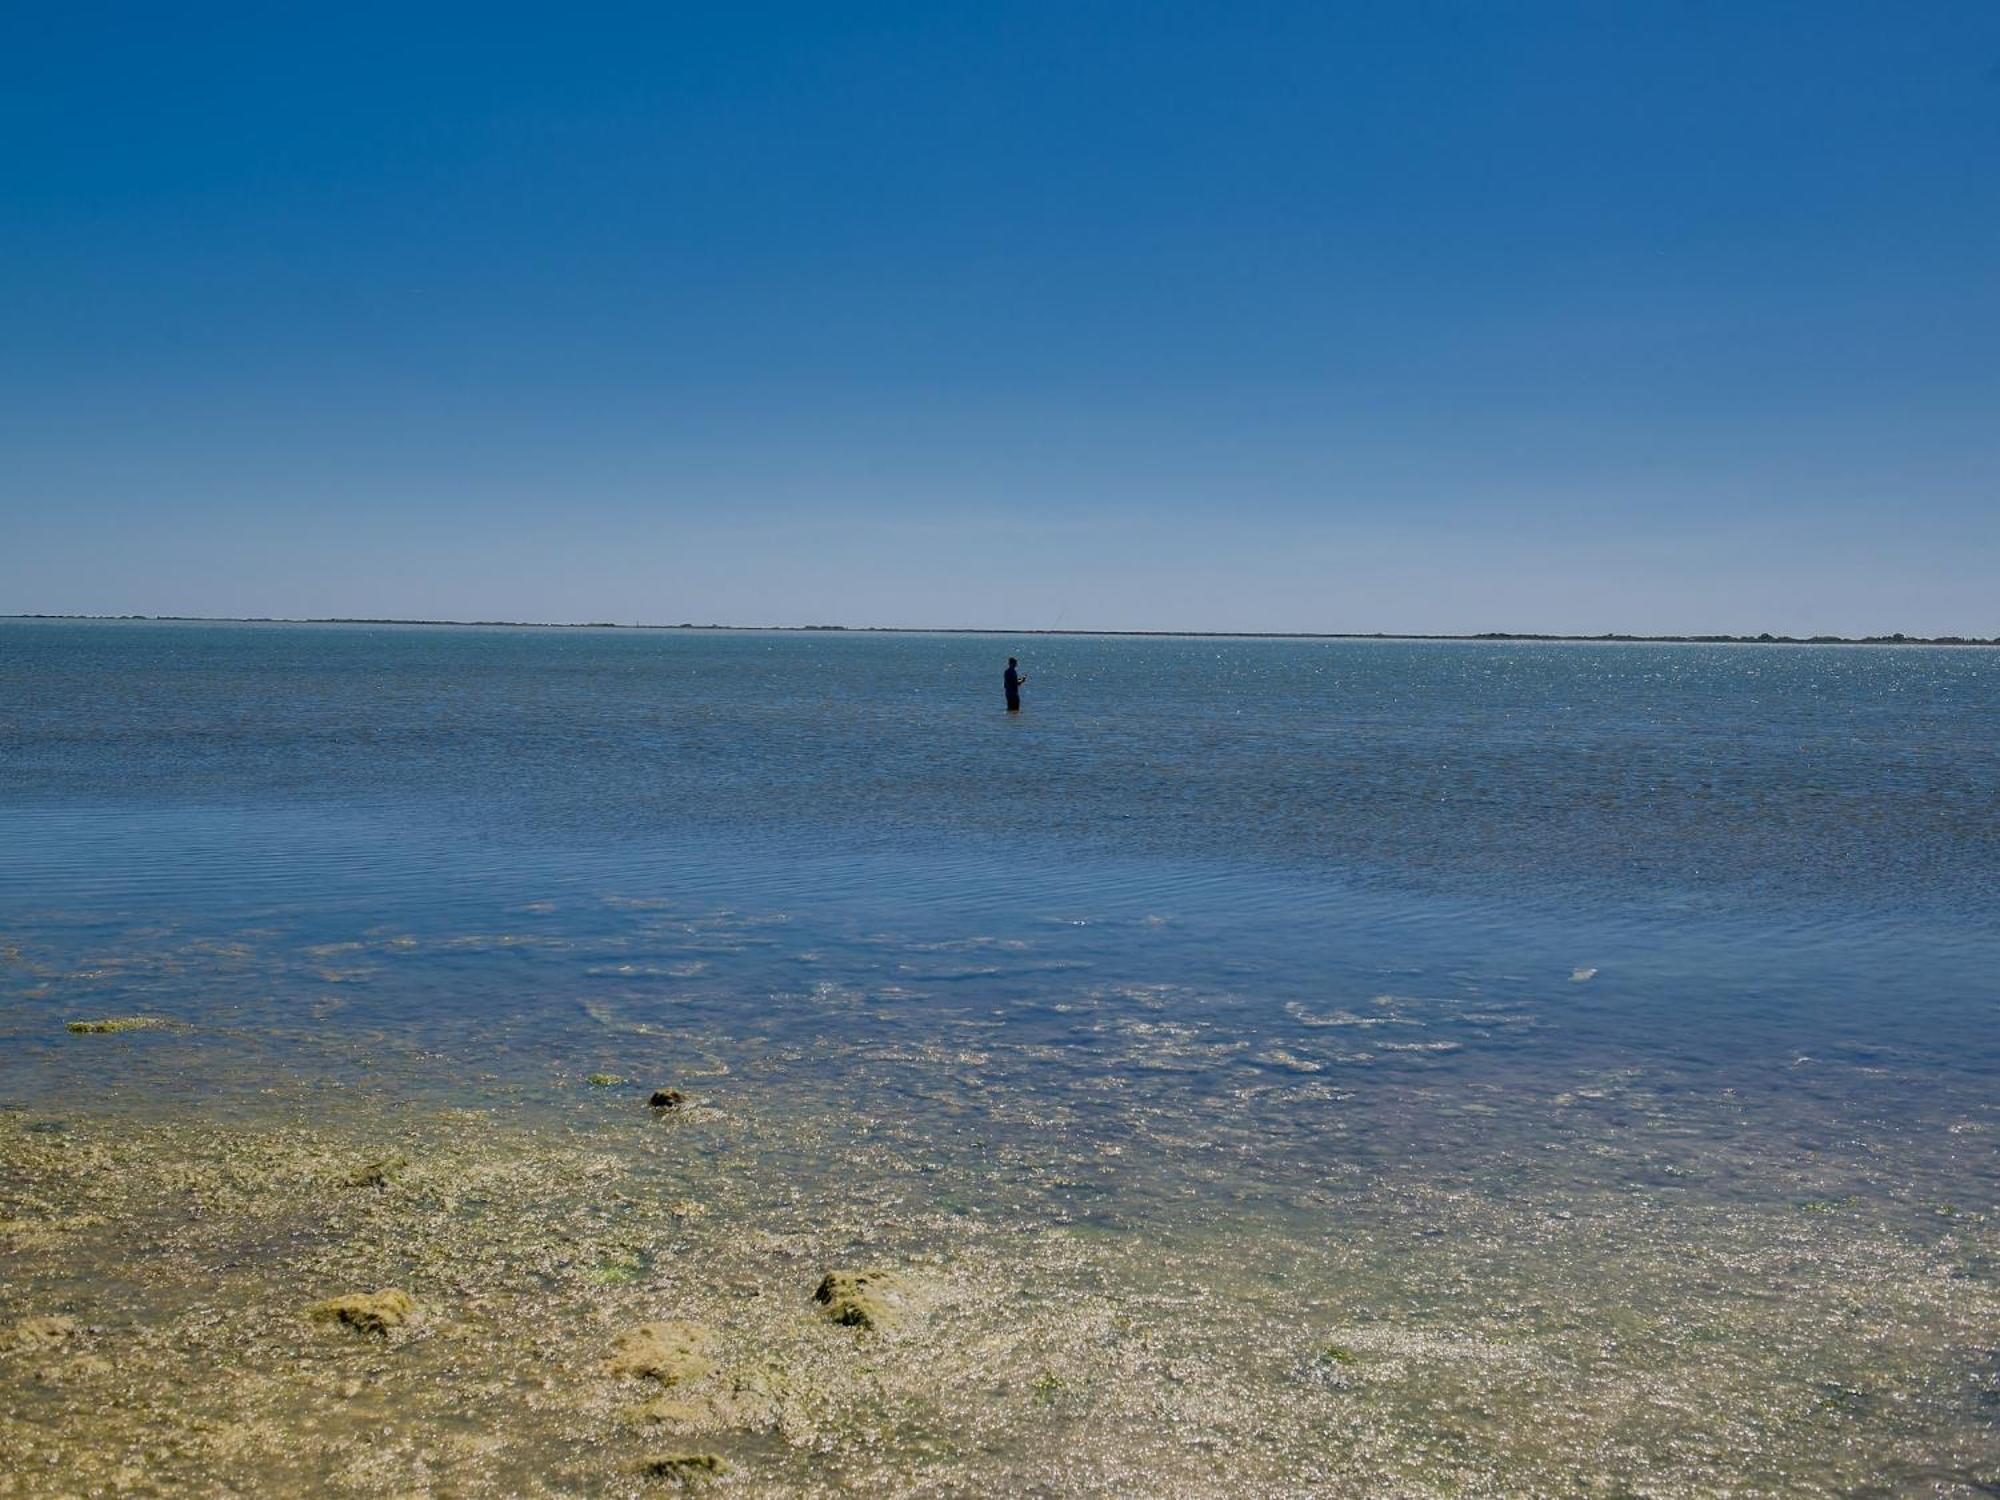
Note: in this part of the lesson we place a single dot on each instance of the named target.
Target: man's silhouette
(1013, 681)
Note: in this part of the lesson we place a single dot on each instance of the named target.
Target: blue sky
(1401, 316)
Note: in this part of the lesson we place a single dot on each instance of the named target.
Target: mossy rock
(115, 1023)
(862, 1299)
(366, 1312)
(683, 1468)
(670, 1353)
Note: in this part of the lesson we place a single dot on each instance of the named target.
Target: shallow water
(1277, 1067)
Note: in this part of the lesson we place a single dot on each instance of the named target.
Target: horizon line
(1689, 639)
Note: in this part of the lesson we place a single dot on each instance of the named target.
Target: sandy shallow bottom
(1418, 1332)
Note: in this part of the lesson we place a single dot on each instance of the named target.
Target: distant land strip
(1897, 639)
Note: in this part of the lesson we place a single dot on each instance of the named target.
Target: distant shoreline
(1219, 635)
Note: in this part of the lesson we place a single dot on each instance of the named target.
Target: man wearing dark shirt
(1013, 681)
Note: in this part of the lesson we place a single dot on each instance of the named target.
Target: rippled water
(1271, 946)
(1758, 851)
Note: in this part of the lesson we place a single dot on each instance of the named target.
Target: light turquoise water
(1263, 947)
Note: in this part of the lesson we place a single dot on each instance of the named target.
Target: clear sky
(1398, 316)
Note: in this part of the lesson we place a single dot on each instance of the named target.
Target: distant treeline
(1765, 639)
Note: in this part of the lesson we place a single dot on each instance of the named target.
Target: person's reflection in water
(1013, 681)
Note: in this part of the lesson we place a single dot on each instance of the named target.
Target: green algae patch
(114, 1023)
(621, 1268)
(667, 1352)
(366, 1312)
(605, 1080)
(862, 1299)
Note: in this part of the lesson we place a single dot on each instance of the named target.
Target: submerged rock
(116, 1023)
(667, 1352)
(84, 1367)
(687, 1468)
(748, 1401)
(366, 1312)
(667, 1412)
(38, 1333)
(692, 1414)
(862, 1299)
(1332, 1366)
(377, 1173)
(667, 1099)
(604, 1080)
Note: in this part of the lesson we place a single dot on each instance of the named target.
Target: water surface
(1594, 1045)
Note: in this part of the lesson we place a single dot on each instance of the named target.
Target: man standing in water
(1013, 681)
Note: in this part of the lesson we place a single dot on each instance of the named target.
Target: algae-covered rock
(366, 1312)
(685, 1468)
(38, 1333)
(667, 1352)
(377, 1173)
(115, 1023)
(605, 1080)
(862, 1299)
(667, 1099)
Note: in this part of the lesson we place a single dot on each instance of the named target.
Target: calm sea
(1705, 858)
(1760, 851)
(1633, 1005)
